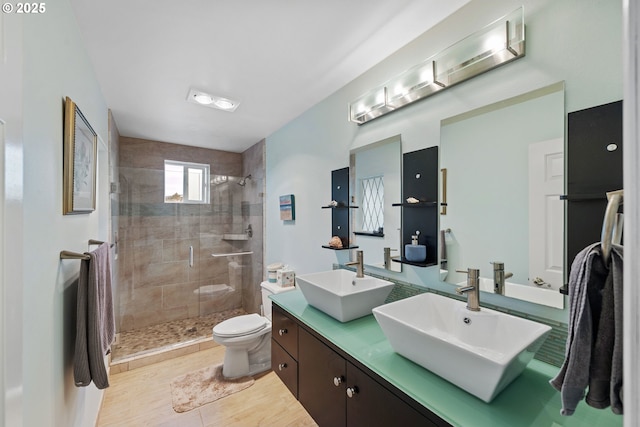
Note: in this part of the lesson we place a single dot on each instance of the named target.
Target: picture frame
(79, 162)
(287, 207)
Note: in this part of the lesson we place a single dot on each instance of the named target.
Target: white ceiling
(277, 57)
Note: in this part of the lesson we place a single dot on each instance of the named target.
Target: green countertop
(528, 401)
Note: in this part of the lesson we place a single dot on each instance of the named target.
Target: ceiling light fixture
(199, 97)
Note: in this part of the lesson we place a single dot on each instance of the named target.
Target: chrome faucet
(499, 277)
(472, 290)
(359, 263)
(387, 257)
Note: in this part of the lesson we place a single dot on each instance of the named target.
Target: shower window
(186, 182)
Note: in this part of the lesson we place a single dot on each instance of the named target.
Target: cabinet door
(284, 330)
(285, 367)
(372, 405)
(318, 367)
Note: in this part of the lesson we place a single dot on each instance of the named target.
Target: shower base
(167, 337)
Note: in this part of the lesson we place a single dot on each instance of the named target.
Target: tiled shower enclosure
(157, 283)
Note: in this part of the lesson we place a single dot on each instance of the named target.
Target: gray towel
(586, 280)
(616, 359)
(95, 325)
(605, 382)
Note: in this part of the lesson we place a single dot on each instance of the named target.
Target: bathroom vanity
(335, 388)
(347, 374)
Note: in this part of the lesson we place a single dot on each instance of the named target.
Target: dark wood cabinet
(284, 348)
(321, 376)
(285, 366)
(285, 331)
(337, 393)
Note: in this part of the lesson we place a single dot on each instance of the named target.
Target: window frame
(186, 166)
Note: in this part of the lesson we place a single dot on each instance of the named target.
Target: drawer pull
(282, 332)
(338, 380)
(281, 366)
(352, 391)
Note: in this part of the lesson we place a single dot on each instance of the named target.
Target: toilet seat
(240, 325)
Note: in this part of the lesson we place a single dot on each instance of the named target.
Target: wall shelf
(365, 233)
(416, 205)
(339, 249)
(420, 172)
(403, 260)
(340, 217)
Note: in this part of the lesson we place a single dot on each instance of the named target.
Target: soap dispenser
(415, 252)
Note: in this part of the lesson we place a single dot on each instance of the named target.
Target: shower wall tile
(146, 252)
(178, 249)
(218, 302)
(145, 154)
(179, 295)
(253, 161)
(161, 274)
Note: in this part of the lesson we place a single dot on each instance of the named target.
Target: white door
(11, 220)
(546, 213)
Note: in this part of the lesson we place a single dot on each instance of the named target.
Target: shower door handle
(190, 256)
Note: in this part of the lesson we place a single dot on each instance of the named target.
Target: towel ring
(612, 224)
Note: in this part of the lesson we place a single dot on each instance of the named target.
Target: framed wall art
(287, 207)
(80, 155)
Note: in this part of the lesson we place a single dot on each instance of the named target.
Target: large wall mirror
(376, 183)
(505, 172)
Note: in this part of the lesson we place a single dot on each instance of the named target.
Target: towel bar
(72, 255)
(76, 255)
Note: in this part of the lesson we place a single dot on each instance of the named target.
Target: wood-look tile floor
(142, 397)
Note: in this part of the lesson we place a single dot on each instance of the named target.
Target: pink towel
(95, 325)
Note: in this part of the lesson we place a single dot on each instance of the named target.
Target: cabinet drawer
(285, 367)
(285, 331)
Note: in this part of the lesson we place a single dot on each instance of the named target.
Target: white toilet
(247, 338)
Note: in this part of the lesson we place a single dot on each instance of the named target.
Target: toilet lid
(240, 325)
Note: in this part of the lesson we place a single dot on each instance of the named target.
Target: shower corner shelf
(239, 236)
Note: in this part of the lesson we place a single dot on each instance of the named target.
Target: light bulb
(203, 99)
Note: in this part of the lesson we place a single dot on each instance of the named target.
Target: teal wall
(56, 65)
(575, 41)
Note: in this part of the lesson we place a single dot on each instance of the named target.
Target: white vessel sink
(480, 352)
(341, 295)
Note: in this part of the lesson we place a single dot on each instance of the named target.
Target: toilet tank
(269, 288)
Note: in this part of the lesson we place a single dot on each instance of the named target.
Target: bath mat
(204, 386)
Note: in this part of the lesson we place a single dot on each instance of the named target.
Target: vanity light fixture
(199, 97)
(497, 44)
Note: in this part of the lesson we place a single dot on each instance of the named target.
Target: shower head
(243, 181)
